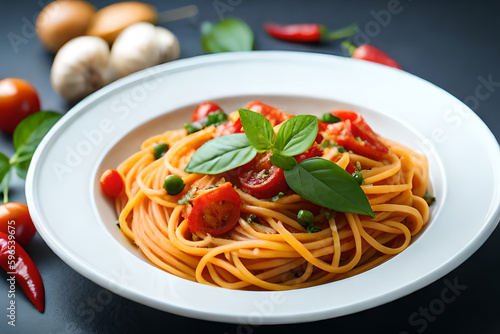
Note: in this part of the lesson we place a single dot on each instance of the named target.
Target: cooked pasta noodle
(273, 251)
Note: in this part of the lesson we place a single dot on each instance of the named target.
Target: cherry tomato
(111, 183)
(215, 212)
(18, 99)
(273, 114)
(203, 109)
(261, 179)
(15, 220)
(355, 135)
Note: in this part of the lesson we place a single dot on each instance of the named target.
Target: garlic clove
(81, 67)
(143, 45)
(168, 44)
(135, 49)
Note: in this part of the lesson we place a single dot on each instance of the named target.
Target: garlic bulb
(81, 67)
(143, 45)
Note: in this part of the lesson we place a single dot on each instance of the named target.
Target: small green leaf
(258, 129)
(226, 36)
(277, 197)
(324, 183)
(296, 135)
(282, 161)
(329, 118)
(28, 135)
(222, 154)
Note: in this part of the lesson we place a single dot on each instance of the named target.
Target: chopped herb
(329, 118)
(118, 223)
(312, 229)
(213, 186)
(214, 118)
(358, 177)
(359, 139)
(193, 127)
(331, 143)
(160, 150)
(187, 197)
(277, 197)
(429, 198)
(252, 218)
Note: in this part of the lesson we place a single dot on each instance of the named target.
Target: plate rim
(453, 262)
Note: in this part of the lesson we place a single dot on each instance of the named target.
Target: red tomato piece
(355, 135)
(216, 211)
(203, 109)
(350, 168)
(18, 99)
(15, 220)
(261, 179)
(313, 151)
(273, 114)
(111, 183)
(229, 128)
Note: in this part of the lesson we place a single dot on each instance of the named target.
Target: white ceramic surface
(78, 223)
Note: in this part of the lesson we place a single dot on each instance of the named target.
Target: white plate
(79, 224)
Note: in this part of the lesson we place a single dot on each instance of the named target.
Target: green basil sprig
(227, 35)
(27, 135)
(318, 180)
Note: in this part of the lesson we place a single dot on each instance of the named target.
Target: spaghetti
(268, 248)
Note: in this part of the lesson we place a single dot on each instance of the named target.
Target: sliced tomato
(313, 151)
(215, 212)
(274, 115)
(261, 179)
(203, 109)
(229, 128)
(355, 135)
(111, 183)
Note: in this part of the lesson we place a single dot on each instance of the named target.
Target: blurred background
(452, 44)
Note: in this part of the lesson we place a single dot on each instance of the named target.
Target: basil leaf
(296, 135)
(324, 183)
(227, 35)
(258, 129)
(28, 135)
(282, 161)
(221, 154)
(4, 175)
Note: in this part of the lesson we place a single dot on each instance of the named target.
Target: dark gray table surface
(452, 44)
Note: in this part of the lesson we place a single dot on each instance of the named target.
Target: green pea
(329, 118)
(173, 184)
(305, 218)
(160, 150)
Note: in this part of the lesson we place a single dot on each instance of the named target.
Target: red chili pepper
(308, 32)
(370, 53)
(18, 264)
